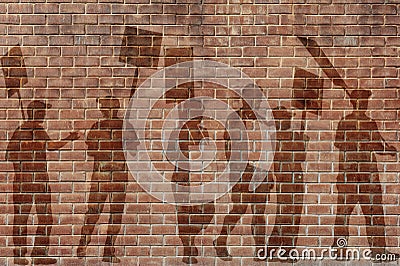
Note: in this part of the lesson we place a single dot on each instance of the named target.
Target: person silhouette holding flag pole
(358, 140)
(27, 150)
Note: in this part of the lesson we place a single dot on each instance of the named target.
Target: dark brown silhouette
(358, 140)
(141, 49)
(191, 219)
(325, 64)
(109, 177)
(307, 92)
(290, 153)
(15, 74)
(243, 197)
(27, 150)
(194, 218)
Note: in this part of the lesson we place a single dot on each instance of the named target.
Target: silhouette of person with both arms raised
(27, 150)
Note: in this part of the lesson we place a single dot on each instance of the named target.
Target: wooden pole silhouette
(320, 57)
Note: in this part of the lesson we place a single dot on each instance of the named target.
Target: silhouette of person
(242, 196)
(109, 177)
(192, 219)
(27, 150)
(288, 172)
(358, 140)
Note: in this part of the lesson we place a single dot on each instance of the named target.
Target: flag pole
(323, 61)
(20, 104)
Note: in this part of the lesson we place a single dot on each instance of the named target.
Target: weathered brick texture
(73, 54)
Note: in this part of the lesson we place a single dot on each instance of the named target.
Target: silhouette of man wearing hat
(358, 140)
(27, 150)
(109, 177)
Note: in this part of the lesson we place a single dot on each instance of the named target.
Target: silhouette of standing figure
(358, 140)
(242, 196)
(191, 219)
(27, 150)
(287, 169)
(109, 177)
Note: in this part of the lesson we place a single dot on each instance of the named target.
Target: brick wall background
(77, 52)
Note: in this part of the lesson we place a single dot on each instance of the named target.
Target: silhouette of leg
(375, 222)
(375, 227)
(345, 207)
(258, 227)
(114, 226)
(45, 218)
(191, 221)
(188, 231)
(229, 224)
(95, 207)
(43, 231)
(22, 207)
(275, 239)
(259, 224)
(297, 212)
(296, 222)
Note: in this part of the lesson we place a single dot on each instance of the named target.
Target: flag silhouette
(15, 74)
(322, 60)
(307, 91)
(140, 48)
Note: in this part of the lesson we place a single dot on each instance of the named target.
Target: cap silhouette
(359, 99)
(360, 94)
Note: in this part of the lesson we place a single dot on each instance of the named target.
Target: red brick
(59, 19)
(242, 41)
(71, 51)
(46, 8)
(85, 19)
(72, 8)
(20, 8)
(33, 19)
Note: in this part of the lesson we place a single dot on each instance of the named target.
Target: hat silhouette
(360, 94)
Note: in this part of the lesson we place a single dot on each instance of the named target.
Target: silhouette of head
(283, 118)
(359, 99)
(109, 107)
(37, 110)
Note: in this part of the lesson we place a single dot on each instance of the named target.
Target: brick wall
(72, 55)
